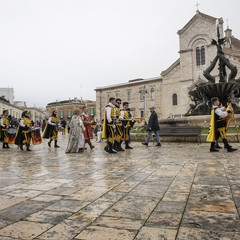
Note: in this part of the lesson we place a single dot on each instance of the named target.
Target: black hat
(125, 103)
(214, 99)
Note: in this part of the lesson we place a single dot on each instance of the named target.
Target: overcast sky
(59, 49)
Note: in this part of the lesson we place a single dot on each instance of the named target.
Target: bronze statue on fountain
(227, 89)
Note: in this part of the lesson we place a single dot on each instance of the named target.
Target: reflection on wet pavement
(177, 191)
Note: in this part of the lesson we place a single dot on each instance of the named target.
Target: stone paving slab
(174, 192)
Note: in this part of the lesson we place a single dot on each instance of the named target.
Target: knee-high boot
(120, 146)
(110, 148)
(21, 146)
(115, 146)
(55, 144)
(49, 143)
(227, 146)
(212, 148)
(28, 149)
(127, 145)
(90, 144)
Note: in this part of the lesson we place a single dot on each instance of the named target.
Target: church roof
(231, 52)
(130, 82)
(197, 15)
(169, 69)
(235, 42)
(233, 49)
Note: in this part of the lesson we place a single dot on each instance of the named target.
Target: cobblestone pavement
(177, 191)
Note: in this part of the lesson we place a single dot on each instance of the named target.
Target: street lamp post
(145, 101)
(143, 97)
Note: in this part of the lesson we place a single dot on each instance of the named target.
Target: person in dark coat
(153, 126)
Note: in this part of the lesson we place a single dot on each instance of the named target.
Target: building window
(91, 111)
(61, 114)
(129, 95)
(200, 56)
(117, 95)
(142, 95)
(69, 113)
(174, 99)
(152, 94)
(142, 113)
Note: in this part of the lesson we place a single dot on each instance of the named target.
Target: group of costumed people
(116, 125)
(219, 123)
(80, 131)
(116, 128)
(23, 134)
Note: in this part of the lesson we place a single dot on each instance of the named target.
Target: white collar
(111, 105)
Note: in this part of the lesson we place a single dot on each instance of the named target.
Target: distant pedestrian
(63, 125)
(153, 126)
(43, 124)
(68, 127)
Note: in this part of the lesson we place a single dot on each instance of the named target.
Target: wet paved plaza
(177, 191)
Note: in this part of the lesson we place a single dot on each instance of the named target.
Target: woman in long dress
(88, 135)
(76, 136)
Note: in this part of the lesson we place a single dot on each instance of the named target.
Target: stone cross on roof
(227, 22)
(197, 4)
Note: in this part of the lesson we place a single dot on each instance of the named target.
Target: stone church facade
(169, 92)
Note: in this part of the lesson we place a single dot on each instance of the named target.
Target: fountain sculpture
(227, 89)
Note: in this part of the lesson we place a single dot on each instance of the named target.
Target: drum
(12, 135)
(36, 136)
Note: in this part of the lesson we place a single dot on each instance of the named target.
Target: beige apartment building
(169, 91)
(13, 110)
(16, 111)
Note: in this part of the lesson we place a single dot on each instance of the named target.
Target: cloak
(211, 137)
(47, 132)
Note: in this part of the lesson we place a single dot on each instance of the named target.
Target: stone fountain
(227, 89)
